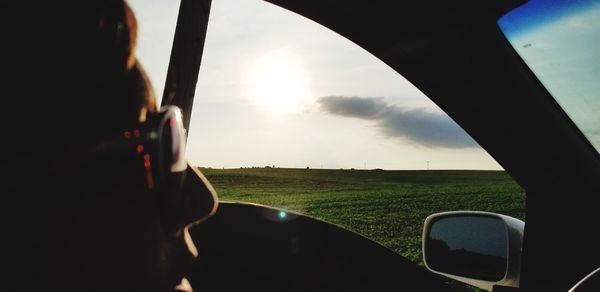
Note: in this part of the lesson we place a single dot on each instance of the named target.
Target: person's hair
(71, 78)
(122, 88)
(87, 83)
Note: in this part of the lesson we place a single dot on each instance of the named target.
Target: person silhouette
(101, 196)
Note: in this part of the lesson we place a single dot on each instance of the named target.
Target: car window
(559, 42)
(157, 20)
(292, 115)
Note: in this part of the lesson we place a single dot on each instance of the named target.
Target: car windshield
(559, 41)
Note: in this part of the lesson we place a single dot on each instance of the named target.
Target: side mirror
(478, 248)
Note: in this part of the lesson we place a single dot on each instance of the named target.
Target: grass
(386, 206)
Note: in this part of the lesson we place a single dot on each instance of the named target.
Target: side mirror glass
(468, 246)
(478, 248)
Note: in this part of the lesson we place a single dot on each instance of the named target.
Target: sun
(277, 82)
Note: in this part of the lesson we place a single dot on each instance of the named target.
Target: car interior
(458, 56)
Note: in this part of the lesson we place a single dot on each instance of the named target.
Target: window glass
(292, 115)
(559, 41)
(157, 20)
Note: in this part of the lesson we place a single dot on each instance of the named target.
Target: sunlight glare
(277, 82)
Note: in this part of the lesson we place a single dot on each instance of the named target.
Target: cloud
(416, 125)
(355, 107)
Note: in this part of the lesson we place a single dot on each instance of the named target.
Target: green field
(386, 206)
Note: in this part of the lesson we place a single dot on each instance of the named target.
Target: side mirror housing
(478, 248)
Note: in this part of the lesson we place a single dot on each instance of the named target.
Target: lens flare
(282, 214)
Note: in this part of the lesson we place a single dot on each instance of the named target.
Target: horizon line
(349, 168)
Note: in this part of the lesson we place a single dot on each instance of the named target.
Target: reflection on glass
(468, 246)
(558, 39)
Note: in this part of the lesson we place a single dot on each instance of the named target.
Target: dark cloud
(356, 107)
(416, 125)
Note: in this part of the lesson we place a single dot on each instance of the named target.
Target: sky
(275, 88)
